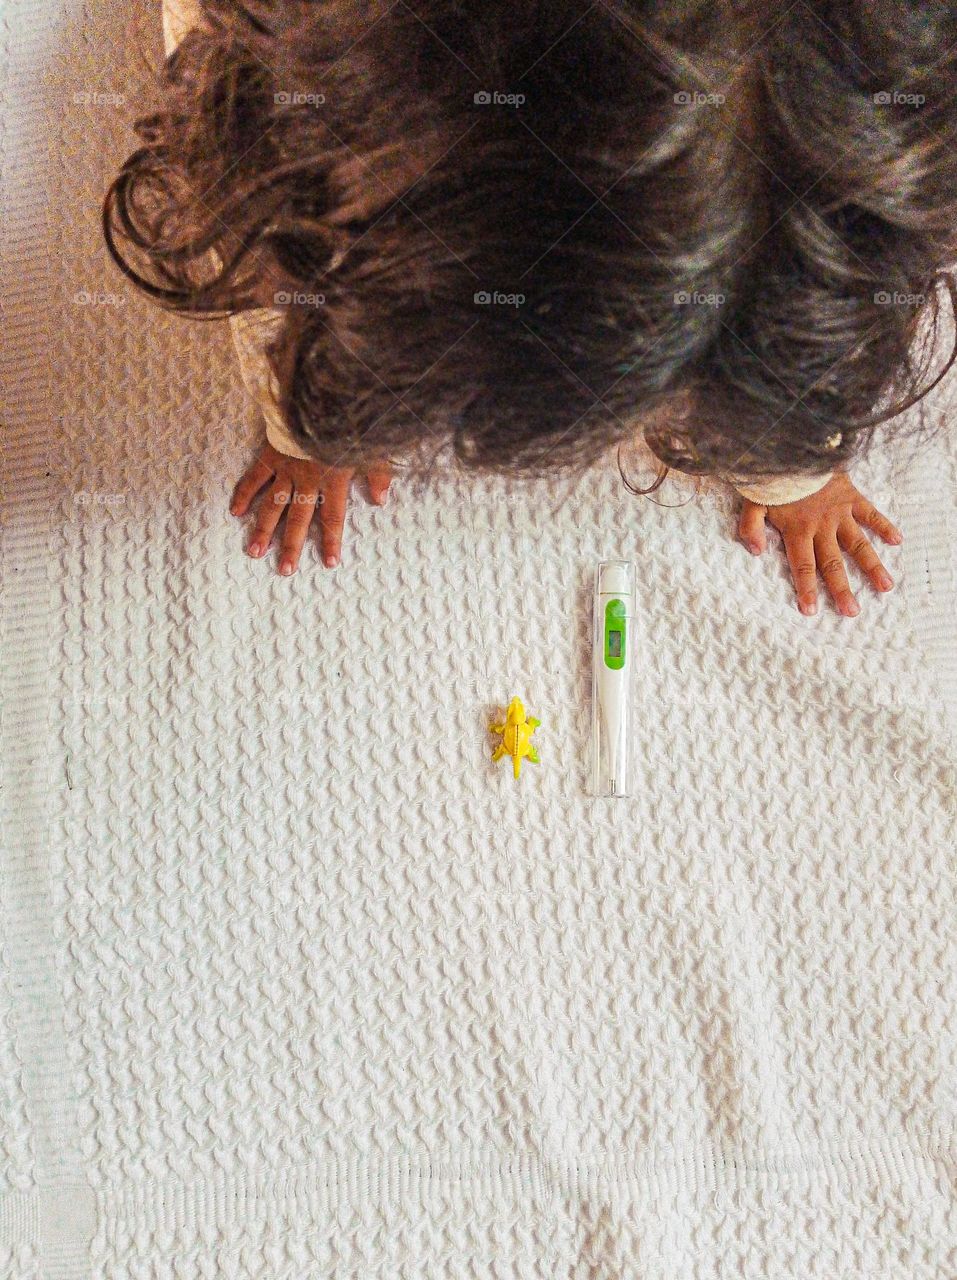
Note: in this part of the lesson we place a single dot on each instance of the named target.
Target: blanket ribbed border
(930, 559)
(57, 1219)
(324, 1192)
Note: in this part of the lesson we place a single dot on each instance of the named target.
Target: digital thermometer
(612, 649)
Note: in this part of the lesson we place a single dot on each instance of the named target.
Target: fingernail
(285, 567)
(852, 608)
(255, 548)
(897, 537)
(808, 607)
(380, 500)
(754, 548)
(884, 581)
(331, 561)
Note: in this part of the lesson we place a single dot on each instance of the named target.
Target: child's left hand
(816, 530)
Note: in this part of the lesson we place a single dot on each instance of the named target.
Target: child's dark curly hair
(539, 226)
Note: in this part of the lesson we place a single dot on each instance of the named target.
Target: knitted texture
(334, 996)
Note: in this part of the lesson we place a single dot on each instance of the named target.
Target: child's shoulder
(179, 16)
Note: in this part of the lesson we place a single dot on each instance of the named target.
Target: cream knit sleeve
(774, 491)
(251, 330)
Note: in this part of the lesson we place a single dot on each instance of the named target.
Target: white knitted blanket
(293, 982)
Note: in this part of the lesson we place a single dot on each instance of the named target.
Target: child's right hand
(300, 485)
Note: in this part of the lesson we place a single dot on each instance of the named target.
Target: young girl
(535, 230)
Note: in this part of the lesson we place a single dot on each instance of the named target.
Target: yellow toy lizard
(516, 736)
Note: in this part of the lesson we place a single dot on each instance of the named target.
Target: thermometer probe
(612, 647)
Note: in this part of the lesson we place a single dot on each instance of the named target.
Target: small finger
(298, 519)
(867, 514)
(270, 512)
(857, 544)
(379, 479)
(751, 528)
(249, 485)
(332, 515)
(831, 564)
(800, 551)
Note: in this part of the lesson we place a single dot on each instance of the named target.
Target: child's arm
(251, 330)
(295, 479)
(821, 518)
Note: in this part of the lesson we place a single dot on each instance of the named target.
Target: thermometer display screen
(614, 644)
